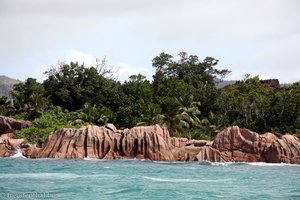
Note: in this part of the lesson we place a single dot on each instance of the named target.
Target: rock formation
(8, 145)
(9, 125)
(243, 145)
(211, 154)
(286, 150)
(29, 150)
(154, 143)
(146, 142)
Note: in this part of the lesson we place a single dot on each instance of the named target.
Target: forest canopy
(182, 97)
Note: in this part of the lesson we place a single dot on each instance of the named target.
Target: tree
(284, 114)
(189, 68)
(137, 78)
(92, 114)
(5, 106)
(245, 103)
(105, 70)
(140, 107)
(30, 97)
(71, 86)
(187, 76)
(184, 118)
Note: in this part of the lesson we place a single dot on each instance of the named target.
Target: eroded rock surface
(211, 154)
(155, 143)
(286, 150)
(8, 145)
(145, 142)
(243, 145)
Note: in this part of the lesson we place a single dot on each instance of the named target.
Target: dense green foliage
(49, 121)
(182, 97)
(250, 104)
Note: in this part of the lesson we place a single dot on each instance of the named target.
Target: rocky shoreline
(233, 144)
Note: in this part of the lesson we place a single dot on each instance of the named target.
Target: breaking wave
(50, 175)
(18, 154)
(246, 163)
(176, 180)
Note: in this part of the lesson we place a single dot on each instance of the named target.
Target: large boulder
(89, 141)
(145, 142)
(286, 150)
(242, 145)
(9, 125)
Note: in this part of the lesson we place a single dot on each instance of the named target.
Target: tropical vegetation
(182, 97)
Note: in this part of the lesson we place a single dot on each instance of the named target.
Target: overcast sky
(259, 37)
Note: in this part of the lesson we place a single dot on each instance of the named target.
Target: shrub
(50, 121)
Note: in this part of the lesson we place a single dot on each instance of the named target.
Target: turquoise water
(136, 179)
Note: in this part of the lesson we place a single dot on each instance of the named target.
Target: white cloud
(281, 59)
(80, 57)
(38, 73)
(126, 70)
(245, 35)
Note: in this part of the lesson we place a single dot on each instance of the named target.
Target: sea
(84, 179)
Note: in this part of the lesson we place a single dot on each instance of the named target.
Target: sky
(256, 37)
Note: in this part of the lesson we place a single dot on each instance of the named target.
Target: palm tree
(185, 118)
(5, 106)
(174, 123)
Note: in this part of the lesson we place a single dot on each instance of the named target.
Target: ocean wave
(272, 164)
(208, 163)
(176, 180)
(91, 159)
(51, 175)
(264, 164)
(170, 162)
(18, 154)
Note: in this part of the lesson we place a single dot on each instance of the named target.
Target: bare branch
(106, 70)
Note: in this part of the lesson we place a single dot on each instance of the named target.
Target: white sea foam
(271, 164)
(18, 154)
(175, 180)
(169, 162)
(246, 163)
(227, 163)
(51, 175)
(95, 159)
(111, 191)
(40, 175)
(88, 158)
